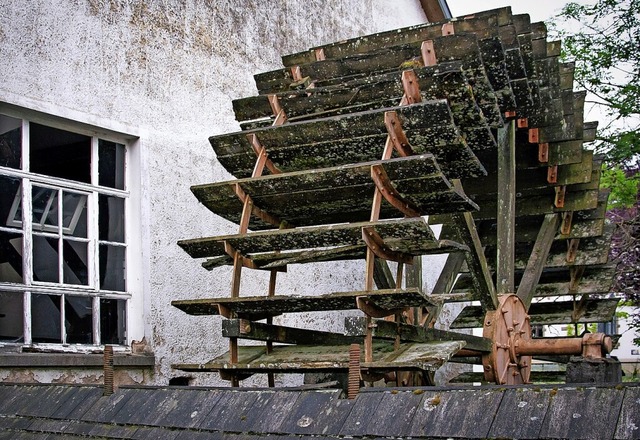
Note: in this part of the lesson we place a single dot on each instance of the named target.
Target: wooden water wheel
(473, 124)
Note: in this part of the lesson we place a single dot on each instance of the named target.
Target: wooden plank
(356, 326)
(336, 194)
(506, 209)
(279, 260)
(260, 307)
(394, 232)
(258, 331)
(557, 282)
(529, 407)
(456, 47)
(457, 414)
(629, 418)
(547, 313)
(536, 262)
(484, 26)
(299, 358)
(594, 413)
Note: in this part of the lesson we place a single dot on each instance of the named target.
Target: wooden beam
(506, 209)
(356, 326)
(258, 331)
(382, 275)
(478, 267)
(539, 255)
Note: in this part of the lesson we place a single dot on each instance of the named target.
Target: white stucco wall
(168, 71)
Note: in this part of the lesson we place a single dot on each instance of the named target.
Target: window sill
(72, 360)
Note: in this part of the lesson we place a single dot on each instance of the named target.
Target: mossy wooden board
(351, 138)
(557, 281)
(450, 48)
(337, 194)
(394, 232)
(442, 81)
(277, 259)
(302, 358)
(591, 251)
(260, 307)
(547, 313)
(484, 27)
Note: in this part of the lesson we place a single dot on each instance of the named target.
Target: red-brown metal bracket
(398, 138)
(510, 114)
(534, 136)
(296, 73)
(552, 174)
(384, 185)
(572, 249)
(411, 88)
(448, 29)
(263, 158)
(261, 214)
(319, 53)
(428, 52)
(522, 123)
(278, 111)
(543, 152)
(567, 219)
(377, 245)
(575, 274)
(561, 192)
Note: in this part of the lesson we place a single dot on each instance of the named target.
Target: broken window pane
(111, 218)
(112, 321)
(111, 164)
(45, 318)
(74, 266)
(10, 206)
(112, 265)
(74, 214)
(45, 259)
(11, 317)
(78, 313)
(10, 142)
(59, 153)
(10, 257)
(44, 209)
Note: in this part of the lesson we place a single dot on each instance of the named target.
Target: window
(63, 237)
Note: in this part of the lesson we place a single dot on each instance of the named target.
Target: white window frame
(133, 248)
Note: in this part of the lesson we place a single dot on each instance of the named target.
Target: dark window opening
(59, 153)
(112, 321)
(78, 312)
(11, 317)
(45, 318)
(10, 142)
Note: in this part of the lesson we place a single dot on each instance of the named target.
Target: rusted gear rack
(472, 122)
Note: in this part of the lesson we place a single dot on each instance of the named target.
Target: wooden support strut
(505, 274)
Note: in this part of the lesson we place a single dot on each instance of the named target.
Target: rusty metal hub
(506, 327)
(509, 362)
